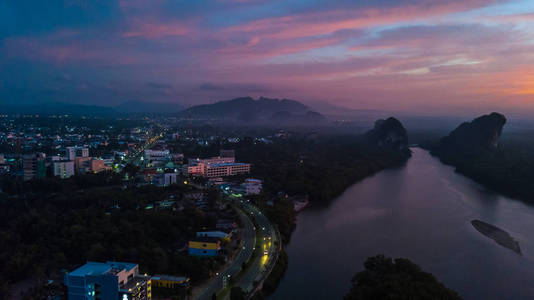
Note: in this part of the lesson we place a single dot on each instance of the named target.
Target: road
(215, 284)
(267, 240)
(135, 156)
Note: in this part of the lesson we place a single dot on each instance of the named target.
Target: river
(421, 211)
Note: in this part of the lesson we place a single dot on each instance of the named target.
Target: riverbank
(421, 212)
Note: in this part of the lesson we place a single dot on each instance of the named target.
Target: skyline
(446, 57)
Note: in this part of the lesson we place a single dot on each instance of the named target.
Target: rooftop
(205, 239)
(170, 278)
(228, 164)
(99, 268)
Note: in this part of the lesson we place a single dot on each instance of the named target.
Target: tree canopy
(385, 278)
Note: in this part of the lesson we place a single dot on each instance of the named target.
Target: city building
(97, 165)
(170, 282)
(34, 166)
(70, 153)
(108, 281)
(226, 169)
(82, 152)
(216, 166)
(157, 154)
(165, 179)
(90, 165)
(252, 186)
(214, 234)
(211, 160)
(194, 170)
(64, 169)
(204, 246)
(81, 164)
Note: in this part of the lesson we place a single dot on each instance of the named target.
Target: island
(500, 236)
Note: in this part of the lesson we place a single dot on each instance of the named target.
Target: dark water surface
(422, 212)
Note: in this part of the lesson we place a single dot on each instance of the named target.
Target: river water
(421, 211)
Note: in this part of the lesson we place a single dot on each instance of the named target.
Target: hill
(260, 111)
(475, 150)
(471, 138)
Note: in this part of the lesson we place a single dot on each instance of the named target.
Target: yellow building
(204, 246)
(169, 282)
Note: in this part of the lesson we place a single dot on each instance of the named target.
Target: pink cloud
(320, 23)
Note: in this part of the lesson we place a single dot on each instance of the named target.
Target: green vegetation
(15, 186)
(271, 282)
(283, 214)
(321, 167)
(509, 169)
(236, 293)
(41, 234)
(384, 278)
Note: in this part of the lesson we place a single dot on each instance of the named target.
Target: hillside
(475, 150)
(260, 111)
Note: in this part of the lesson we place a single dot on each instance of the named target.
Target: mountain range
(260, 111)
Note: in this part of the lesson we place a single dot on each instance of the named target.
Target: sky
(427, 56)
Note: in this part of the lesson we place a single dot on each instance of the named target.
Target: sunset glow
(415, 55)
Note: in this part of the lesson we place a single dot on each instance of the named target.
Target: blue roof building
(109, 280)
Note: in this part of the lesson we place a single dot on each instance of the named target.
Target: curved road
(216, 283)
(267, 240)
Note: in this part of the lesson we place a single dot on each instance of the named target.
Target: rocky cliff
(471, 138)
(389, 133)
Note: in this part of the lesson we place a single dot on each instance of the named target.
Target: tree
(385, 278)
(236, 293)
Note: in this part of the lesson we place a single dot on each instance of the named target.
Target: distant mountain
(57, 109)
(262, 110)
(149, 107)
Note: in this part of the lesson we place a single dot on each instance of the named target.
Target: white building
(253, 186)
(170, 178)
(157, 154)
(70, 152)
(82, 152)
(165, 179)
(64, 169)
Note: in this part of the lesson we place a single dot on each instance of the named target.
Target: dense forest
(399, 279)
(43, 233)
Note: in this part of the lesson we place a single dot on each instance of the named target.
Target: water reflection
(423, 212)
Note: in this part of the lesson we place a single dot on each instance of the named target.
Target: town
(232, 238)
